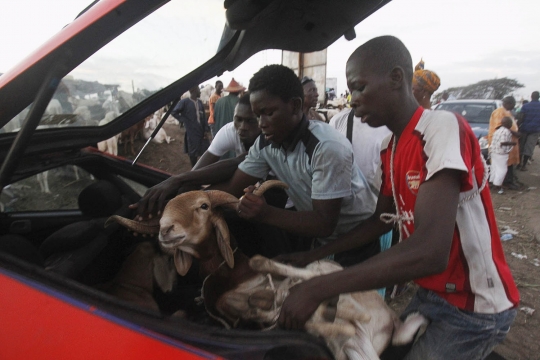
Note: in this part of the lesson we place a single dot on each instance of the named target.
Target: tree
(485, 89)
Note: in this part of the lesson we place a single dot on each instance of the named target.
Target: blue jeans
(453, 333)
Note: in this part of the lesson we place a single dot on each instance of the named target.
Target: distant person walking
(190, 112)
(212, 102)
(494, 122)
(529, 127)
(501, 145)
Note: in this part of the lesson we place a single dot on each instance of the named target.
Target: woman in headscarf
(424, 84)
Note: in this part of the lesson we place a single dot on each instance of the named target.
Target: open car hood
(252, 26)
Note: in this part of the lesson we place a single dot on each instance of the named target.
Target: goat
(363, 324)
(151, 123)
(192, 225)
(110, 145)
(237, 293)
(129, 135)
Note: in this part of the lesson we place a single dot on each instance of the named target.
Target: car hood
(252, 26)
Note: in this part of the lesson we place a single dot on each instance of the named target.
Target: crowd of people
(388, 165)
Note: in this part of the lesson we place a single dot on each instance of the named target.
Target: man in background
(211, 103)
(311, 96)
(190, 113)
(529, 127)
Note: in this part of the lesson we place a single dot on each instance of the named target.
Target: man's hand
(298, 259)
(252, 206)
(299, 306)
(155, 198)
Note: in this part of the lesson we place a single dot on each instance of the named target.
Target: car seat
(71, 249)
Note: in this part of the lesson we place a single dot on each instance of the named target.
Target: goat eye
(204, 206)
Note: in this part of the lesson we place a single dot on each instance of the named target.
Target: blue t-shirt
(318, 165)
(531, 117)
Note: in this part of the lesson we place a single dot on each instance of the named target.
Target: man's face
(219, 88)
(311, 95)
(369, 93)
(246, 124)
(195, 92)
(275, 116)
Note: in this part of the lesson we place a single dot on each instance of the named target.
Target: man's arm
(320, 222)
(155, 198)
(206, 159)
(364, 233)
(425, 252)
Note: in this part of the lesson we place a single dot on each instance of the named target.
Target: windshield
(166, 45)
(473, 112)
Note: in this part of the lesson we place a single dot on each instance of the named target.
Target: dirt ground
(518, 212)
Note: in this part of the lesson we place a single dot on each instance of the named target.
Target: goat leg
(264, 265)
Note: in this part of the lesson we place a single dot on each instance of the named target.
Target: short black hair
(305, 80)
(219, 82)
(277, 80)
(244, 99)
(509, 99)
(384, 54)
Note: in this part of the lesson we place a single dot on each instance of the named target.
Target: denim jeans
(453, 333)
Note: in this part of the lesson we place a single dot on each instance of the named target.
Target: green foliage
(485, 89)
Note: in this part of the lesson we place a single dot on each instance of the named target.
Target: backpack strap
(350, 125)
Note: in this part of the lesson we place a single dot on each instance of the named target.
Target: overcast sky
(463, 41)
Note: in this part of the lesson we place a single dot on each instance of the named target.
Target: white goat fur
(191, 226)
(363, 327)
(150, 124)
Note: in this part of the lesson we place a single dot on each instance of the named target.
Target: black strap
(350, 125)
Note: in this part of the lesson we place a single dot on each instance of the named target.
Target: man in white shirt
(366, 142)
(237, 136)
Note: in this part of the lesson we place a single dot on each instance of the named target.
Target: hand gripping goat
(356, 326)
(192, 226)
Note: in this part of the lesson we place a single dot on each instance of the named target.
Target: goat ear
(223, 240)
(182, 261)
(164, 272)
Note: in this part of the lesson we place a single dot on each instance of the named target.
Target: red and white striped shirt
(477, 277)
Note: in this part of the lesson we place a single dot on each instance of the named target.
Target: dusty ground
(516, 211)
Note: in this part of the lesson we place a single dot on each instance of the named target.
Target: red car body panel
(31, 311)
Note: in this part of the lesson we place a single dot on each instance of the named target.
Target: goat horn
(270, 184)
(142, 227)
(222, 198)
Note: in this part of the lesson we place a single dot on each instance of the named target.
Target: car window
(473, 112)
(55, 189)
(160, 49)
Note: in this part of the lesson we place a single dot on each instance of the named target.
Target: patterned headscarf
(425, 79)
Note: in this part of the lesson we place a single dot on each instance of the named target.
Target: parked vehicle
(71, 94)
(477, 112)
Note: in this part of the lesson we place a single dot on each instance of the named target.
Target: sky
(463, 41)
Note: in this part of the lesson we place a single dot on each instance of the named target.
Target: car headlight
(483, 141)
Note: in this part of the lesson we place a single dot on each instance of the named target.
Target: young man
(433, 172)
(327, 188)
(311, 97)
(237, 137)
